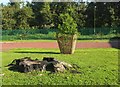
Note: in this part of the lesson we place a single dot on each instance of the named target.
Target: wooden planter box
(67, 43)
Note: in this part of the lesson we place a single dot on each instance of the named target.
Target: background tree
(74, 9)
(80, 15)
(56, 10)
(89, 20)
(102, 15)
(114, 10)
(22, 16)
(8, 20)
(42, 14)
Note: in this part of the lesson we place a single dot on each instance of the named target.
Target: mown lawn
(97, 67)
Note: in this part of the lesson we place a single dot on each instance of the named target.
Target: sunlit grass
(97, 67)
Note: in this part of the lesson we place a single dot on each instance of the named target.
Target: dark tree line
(46, 14)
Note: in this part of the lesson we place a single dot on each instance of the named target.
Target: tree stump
(48, 63)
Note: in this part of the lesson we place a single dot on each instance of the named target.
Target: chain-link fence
(84, 33)
(99, 31)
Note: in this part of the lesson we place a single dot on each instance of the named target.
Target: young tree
(67, 24)
(66, 34)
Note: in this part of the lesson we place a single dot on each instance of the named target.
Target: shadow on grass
(13, 68)
(37, 52)
(115, 42)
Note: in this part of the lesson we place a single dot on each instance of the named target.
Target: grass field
(97, 67)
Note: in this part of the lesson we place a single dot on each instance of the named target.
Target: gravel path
(11, 45)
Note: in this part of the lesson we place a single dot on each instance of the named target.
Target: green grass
(97, 67)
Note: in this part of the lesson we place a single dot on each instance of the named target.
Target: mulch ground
(11, 45)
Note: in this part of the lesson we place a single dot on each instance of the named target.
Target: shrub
(67, 25)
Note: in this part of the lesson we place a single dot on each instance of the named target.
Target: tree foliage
(42, 14)
(47, 14)
(22, 17)
(8, 20)
(67, 24)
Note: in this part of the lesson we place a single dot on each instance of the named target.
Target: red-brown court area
(11, 45)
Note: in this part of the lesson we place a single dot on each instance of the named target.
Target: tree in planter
(66, 35)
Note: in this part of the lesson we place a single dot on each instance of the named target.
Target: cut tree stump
(48, 63)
